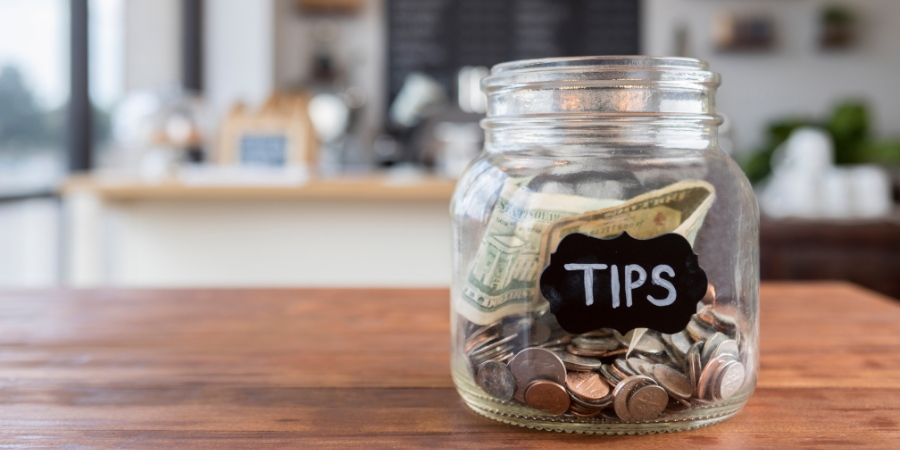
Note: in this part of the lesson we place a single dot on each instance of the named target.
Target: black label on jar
(623, 283)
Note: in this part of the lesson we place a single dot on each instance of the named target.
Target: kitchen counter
(334, 368)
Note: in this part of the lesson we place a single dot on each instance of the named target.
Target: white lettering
(633, 284)
(614, 285)
(659, 281)
(588, 279)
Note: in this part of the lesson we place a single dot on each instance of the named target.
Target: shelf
(370, 187)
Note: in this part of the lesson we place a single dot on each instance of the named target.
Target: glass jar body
(515, 356)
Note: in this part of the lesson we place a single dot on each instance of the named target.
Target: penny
(623, 391)
(587, 385)
(694, 366)
(725, 323)
(548, 397)
(729, 380)
(707, 378)
(673, 381)
(697, 330)
(496, 380)
(575, 362)
(710, 297)
(647, 402)
(536, 363)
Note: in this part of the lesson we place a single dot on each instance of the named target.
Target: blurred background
(316, 142)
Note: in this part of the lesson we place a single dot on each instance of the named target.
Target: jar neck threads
(629, 101)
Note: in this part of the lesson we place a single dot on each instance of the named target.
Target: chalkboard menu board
(438, 37)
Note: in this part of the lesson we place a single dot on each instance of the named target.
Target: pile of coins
(530, 360)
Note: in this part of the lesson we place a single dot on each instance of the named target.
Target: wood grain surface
(335, 368)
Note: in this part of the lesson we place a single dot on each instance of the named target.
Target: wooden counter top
(370, 187)
(329, 368)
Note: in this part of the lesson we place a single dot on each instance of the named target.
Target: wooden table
(341, 368)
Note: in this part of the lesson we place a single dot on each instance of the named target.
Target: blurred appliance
(805, 182)
(280, 134)
(743, 32)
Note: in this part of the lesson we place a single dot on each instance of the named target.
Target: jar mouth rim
(593, 120)
(601, 62)
(600, 71)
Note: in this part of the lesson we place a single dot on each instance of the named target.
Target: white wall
(795, 79)
(360, 48)
(152, 43)
(239, 42)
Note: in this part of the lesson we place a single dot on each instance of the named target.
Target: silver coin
(537, 334)
(605, 343)
(496, 379)
(647, 402)
(610, 376)
(640, 366)
(535, 363)
(623, 391)
(682, 341)
(729, 380)
(727, 347)
(694, 366)
(622, 365)
(580, 363)
(709, 347)
(491, 346)
(650, 344)
(673, 381)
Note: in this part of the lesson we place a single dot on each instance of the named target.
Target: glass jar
(605, 251)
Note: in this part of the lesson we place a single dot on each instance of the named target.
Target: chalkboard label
(623, 283)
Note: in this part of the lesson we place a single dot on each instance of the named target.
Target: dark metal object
(192, 45)
(79, 142)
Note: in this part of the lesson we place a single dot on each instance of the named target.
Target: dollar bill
(503, 277)
(679, 208)
(525, 228)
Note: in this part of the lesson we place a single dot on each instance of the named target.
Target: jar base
(513, 414)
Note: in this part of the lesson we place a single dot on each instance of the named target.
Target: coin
(612, 377)
(571, 348)
(673, 381)
(575, 362)
(548, 397)
(650, 344)
(725, 323)
(604, 343)
(710, 297)
(727, 347)
(707, 378)
(496, 380)
(694, 366)
(639, 366)
(622, 365)
(682, 342)
(709, 347)
(538, 333)
(729, 380)
(698, 330)
(647, 402)
(536, 363)
(587, 385)
(624, 390)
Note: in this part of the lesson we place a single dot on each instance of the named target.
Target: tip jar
(605, 251)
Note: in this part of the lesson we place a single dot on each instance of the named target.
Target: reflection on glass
(33, 93)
